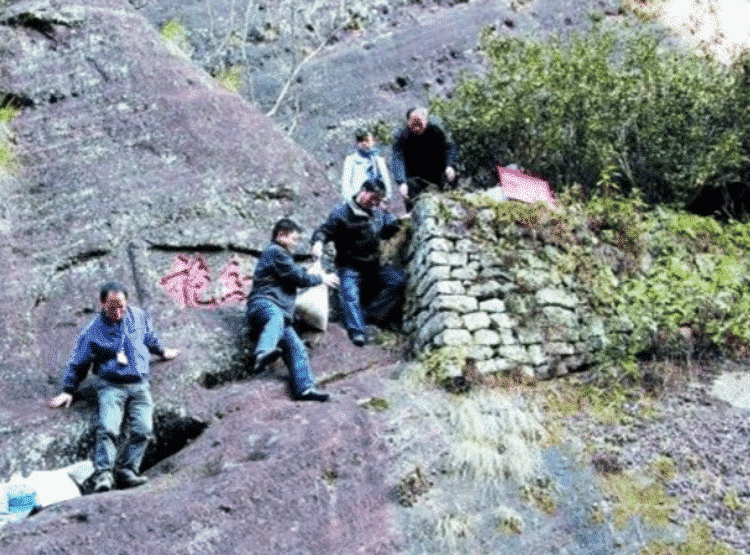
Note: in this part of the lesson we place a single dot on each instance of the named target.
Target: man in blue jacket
(118, 343)
(270, 308)
(370, 291)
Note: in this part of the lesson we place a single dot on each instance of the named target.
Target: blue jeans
(275, 331)
(130, 403)
(373, 295)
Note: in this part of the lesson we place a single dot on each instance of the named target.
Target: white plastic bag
(311, 305)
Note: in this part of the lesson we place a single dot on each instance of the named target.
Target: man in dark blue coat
(117, 345)
(270, 308)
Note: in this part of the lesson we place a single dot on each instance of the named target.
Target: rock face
(385, 57)
(128, 156)
(133, 163)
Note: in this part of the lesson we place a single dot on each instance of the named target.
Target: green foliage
(377, 404)
(7, 155)
(7, 152)
(231, 78)
(382, 131)
(706, 294)
(664, 469)
(602, 402)
(603, 112)
(675, 283)
(732, 502)
(637, 495)
(618, 221)
(176, 35)
(700, 541)
(685, 285)
(444, 362)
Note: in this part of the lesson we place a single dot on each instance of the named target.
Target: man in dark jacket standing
(369, 291)
(421, 155)
(118, 342)
(270, 308)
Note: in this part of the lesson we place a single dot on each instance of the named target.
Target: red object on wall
(520, 186)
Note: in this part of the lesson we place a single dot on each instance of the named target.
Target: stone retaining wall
(511, 309)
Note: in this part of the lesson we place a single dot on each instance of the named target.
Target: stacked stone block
(519, 316)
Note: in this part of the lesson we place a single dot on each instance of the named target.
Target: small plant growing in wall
(443, 363)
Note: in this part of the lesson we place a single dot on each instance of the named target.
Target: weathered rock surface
(128, 156)
(393, 55)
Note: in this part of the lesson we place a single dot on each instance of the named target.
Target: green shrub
(689, 289)
(676, 284)
(603, 112)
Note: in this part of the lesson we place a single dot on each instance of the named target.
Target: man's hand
(404, 190)
(62, 400)
(169, 354)
(450, 173)
(317, 250)
(331, 280)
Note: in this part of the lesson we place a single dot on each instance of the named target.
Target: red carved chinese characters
(190, 276)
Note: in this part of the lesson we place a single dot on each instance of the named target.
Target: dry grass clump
(509, 521)
(497, 438)
(453, 529)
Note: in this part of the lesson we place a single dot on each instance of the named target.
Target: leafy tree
(605, 113)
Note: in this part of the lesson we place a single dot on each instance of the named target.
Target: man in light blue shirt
(117, 344)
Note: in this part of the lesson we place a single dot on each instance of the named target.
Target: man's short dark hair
(112, 286)
(374, 186)
(284, 225)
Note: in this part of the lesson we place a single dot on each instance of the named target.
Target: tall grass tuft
(496, 438)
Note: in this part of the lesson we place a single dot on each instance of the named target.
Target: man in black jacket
(421, 155)
(270, 308)
(369, 291)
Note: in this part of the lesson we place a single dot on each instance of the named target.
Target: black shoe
(129, 479)
(264, 359)
(359, 339)
(312, 394)
(103, 482)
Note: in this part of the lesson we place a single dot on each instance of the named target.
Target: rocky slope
(129, 154)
